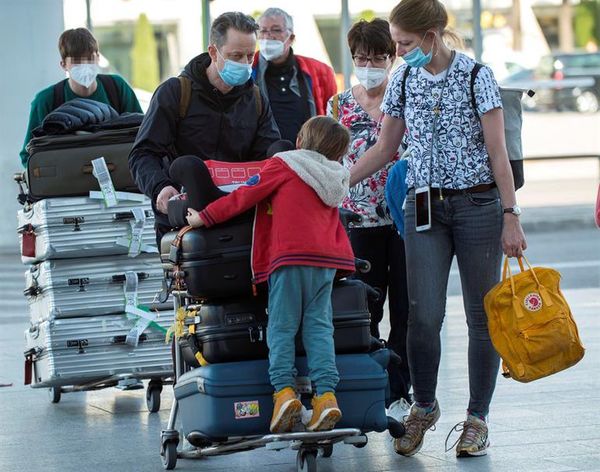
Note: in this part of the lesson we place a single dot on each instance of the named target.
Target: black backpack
(513, 121)
(107, 81)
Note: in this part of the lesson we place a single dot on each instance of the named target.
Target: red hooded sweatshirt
(297, 222)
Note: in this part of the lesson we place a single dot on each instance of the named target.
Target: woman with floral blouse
(376, 240)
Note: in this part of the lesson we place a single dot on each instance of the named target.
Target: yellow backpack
(531, 325)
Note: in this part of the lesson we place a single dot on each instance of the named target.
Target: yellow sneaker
(325, 413)
(286, 411)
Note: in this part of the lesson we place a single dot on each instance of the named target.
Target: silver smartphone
(422, 208)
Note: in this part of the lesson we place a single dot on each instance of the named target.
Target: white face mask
(84, 74)
(370, 77)
(271, 48)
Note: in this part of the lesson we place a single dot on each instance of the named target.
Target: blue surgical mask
(416, 57)
(235, 73)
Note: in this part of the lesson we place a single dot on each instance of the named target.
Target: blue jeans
(301, 294)
(468, 226)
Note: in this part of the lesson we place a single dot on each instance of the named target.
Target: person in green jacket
(79, 57)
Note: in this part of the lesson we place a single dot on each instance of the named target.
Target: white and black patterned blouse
(460, 159)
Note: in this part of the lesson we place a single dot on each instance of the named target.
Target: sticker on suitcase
(246, 410)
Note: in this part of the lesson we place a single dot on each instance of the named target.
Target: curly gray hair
(271, 12)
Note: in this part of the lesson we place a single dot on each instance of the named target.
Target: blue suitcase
(234, 399)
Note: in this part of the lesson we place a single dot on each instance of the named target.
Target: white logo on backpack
(533, 302)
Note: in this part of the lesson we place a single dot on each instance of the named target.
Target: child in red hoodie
(299, 244)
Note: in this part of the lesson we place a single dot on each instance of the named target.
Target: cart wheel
(327, 450)
(306, 461)
(153, 397)
(169, 455)
(54, 394)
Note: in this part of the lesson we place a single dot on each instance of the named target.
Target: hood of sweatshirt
(330, 179)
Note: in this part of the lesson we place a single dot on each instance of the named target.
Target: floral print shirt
(366, 198)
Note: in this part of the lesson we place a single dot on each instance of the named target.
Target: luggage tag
(28, 241)
(134, 241)
(145, 318)
(107, 189)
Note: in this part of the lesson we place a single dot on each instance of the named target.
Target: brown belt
(453, 191)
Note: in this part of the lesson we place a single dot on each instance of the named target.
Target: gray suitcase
(67, 288)
(78, 351)
(70, 227)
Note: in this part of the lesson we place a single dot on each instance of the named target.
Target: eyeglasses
(272, 32)
(362, 60)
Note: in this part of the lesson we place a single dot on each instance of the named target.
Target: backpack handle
(543, 292)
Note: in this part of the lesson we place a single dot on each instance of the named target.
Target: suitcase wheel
(169, 454)
(306, 460)
(153, 396)
(54, 394)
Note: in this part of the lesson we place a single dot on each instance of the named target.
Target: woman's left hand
(513, 238)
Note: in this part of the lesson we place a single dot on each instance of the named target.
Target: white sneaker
(398, 410)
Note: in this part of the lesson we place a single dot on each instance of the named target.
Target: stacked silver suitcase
(93, 290)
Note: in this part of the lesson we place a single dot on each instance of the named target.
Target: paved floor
(549, 425)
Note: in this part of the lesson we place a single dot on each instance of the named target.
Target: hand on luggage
(162, 200)
(193, 218)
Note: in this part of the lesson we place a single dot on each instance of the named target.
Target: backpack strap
(403, 86)
(335, 106)
(258, 101)
(186, 96)
(474, 72)
(110, 87)
(59, 94)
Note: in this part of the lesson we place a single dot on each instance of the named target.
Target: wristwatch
(515, 210)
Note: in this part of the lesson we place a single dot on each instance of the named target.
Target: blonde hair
(420, 16)
(326, 136)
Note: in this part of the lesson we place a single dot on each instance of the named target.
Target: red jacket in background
(321, 79)
(292, 224)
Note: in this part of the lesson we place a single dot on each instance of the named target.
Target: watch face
(516, 210)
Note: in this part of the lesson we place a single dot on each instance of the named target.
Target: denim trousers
(383, 247)
(468, 225)
(301, 296)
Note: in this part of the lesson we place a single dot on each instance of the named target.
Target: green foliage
(367, 15)
(144, 56)
(587, 23)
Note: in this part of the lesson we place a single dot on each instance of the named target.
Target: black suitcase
(215, 261)
(237, 331)
(61, 165)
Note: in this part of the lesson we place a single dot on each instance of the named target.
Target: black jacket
(223, 127)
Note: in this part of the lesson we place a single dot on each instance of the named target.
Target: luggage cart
(308, 444)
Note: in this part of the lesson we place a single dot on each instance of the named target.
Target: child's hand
(193, 218)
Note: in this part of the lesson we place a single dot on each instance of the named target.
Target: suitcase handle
(128, 215)
(225, 238)
(230, 276)
(88, 169)
(122, 339)
(121, 277)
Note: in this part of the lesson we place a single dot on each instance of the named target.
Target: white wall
(29, 31)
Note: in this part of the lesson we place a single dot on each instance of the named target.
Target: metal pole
(344, 52)
(477, 35)
(88, 19)
(205, 23)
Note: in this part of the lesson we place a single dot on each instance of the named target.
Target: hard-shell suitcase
(70, 227)
(65, 288)
(237, 331)
(235, 399)
(60, 165)
(76, 351)
(215, 261)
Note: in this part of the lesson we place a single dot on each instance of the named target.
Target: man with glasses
(79, 58)
(297, 87)
(214, 111)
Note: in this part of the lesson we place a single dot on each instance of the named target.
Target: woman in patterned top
(459, 153)
(358, 109)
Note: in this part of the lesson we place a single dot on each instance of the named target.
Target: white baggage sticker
(137, 228)
(144, 318)
(102, 174)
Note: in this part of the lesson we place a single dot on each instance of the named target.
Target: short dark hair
(371, 37)
(232, 19)
(326, 136)
(77, 42)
